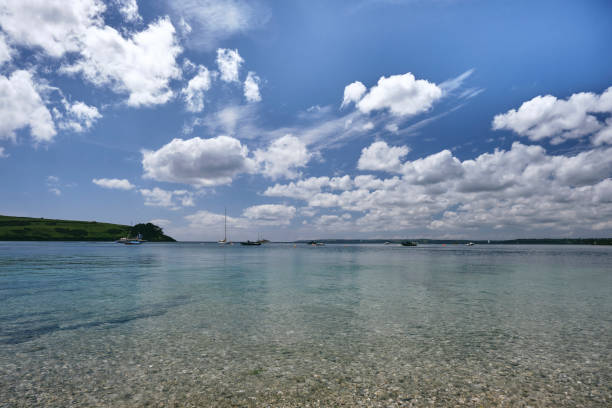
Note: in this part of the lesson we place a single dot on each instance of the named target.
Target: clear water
(189, 324)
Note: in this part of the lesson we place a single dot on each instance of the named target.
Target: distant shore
(44, 229)
(519, 241)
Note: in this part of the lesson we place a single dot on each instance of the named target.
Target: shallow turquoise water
(102, 324)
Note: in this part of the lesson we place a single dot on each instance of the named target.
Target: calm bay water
(190, 324)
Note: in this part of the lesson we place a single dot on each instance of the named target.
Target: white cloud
(210, 21)
(141, 65)
(305, 189)
(341, 183)
(603, 191)
(6, 52)
(196, 161)
(368, 126)
(335, 223)
(548, 117)
(402, 95)
(173, 200)
(22, 106)
(194, 92)
(129, 9)
(520, 191)
(157, 197)
(205, 220)
(251, 87)
(452, 84)
(53, 184)
(282, 157)
(433, 169)
(229, 62)
(52, 25)
(119, 184)
(270, 214)
(302, 189)
(353, 93)
(79, 117)
(2, 153)
(604, 136)
(381, 157)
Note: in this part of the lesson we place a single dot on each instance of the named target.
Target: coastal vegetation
(44, 229)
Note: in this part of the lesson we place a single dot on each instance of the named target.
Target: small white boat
(470, 244)
(224, 241)
(131, 241)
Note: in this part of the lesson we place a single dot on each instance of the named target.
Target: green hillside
(43, 229)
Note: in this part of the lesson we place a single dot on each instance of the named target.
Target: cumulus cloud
(334, 222)
(23, 106)
(58, 28)
(520, 189)
(433, 169)
(196, 161)
(210, 21)
(141, 65)
(173, 200)
(194, 91)
(282, 157)
(604, 136)
(251, 87)
(548, 117)
(2, 153)
(305, 189)
(381, 157)
(6, 52)
(353, 93)
(270, 214)
(79, 117)
(229, 62)
(118, 184)
(402, 95)
(204, 221)
(129, 9)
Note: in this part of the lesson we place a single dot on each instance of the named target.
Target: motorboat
(251, 243)
(131, 241)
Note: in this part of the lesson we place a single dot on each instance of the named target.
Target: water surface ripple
(191, 324)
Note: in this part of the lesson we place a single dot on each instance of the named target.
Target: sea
(292, 325)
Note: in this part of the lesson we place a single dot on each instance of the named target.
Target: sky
(310, 119)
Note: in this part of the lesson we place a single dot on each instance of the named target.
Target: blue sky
(310, 119)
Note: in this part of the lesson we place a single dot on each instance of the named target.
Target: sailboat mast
(225, 232)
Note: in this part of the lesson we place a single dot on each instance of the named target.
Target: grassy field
(43, 229)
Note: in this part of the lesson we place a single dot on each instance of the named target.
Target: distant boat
(387, 242)
(131, 241)
(251, 243)
(262, 240)
(315, 243)
(470, 244)
(409, 243)
(224, 241)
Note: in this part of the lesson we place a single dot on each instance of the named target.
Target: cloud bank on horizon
(184, 108)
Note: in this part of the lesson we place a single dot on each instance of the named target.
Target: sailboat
(224, 241)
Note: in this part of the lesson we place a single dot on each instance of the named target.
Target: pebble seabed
(324, 328)
(109, 367)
